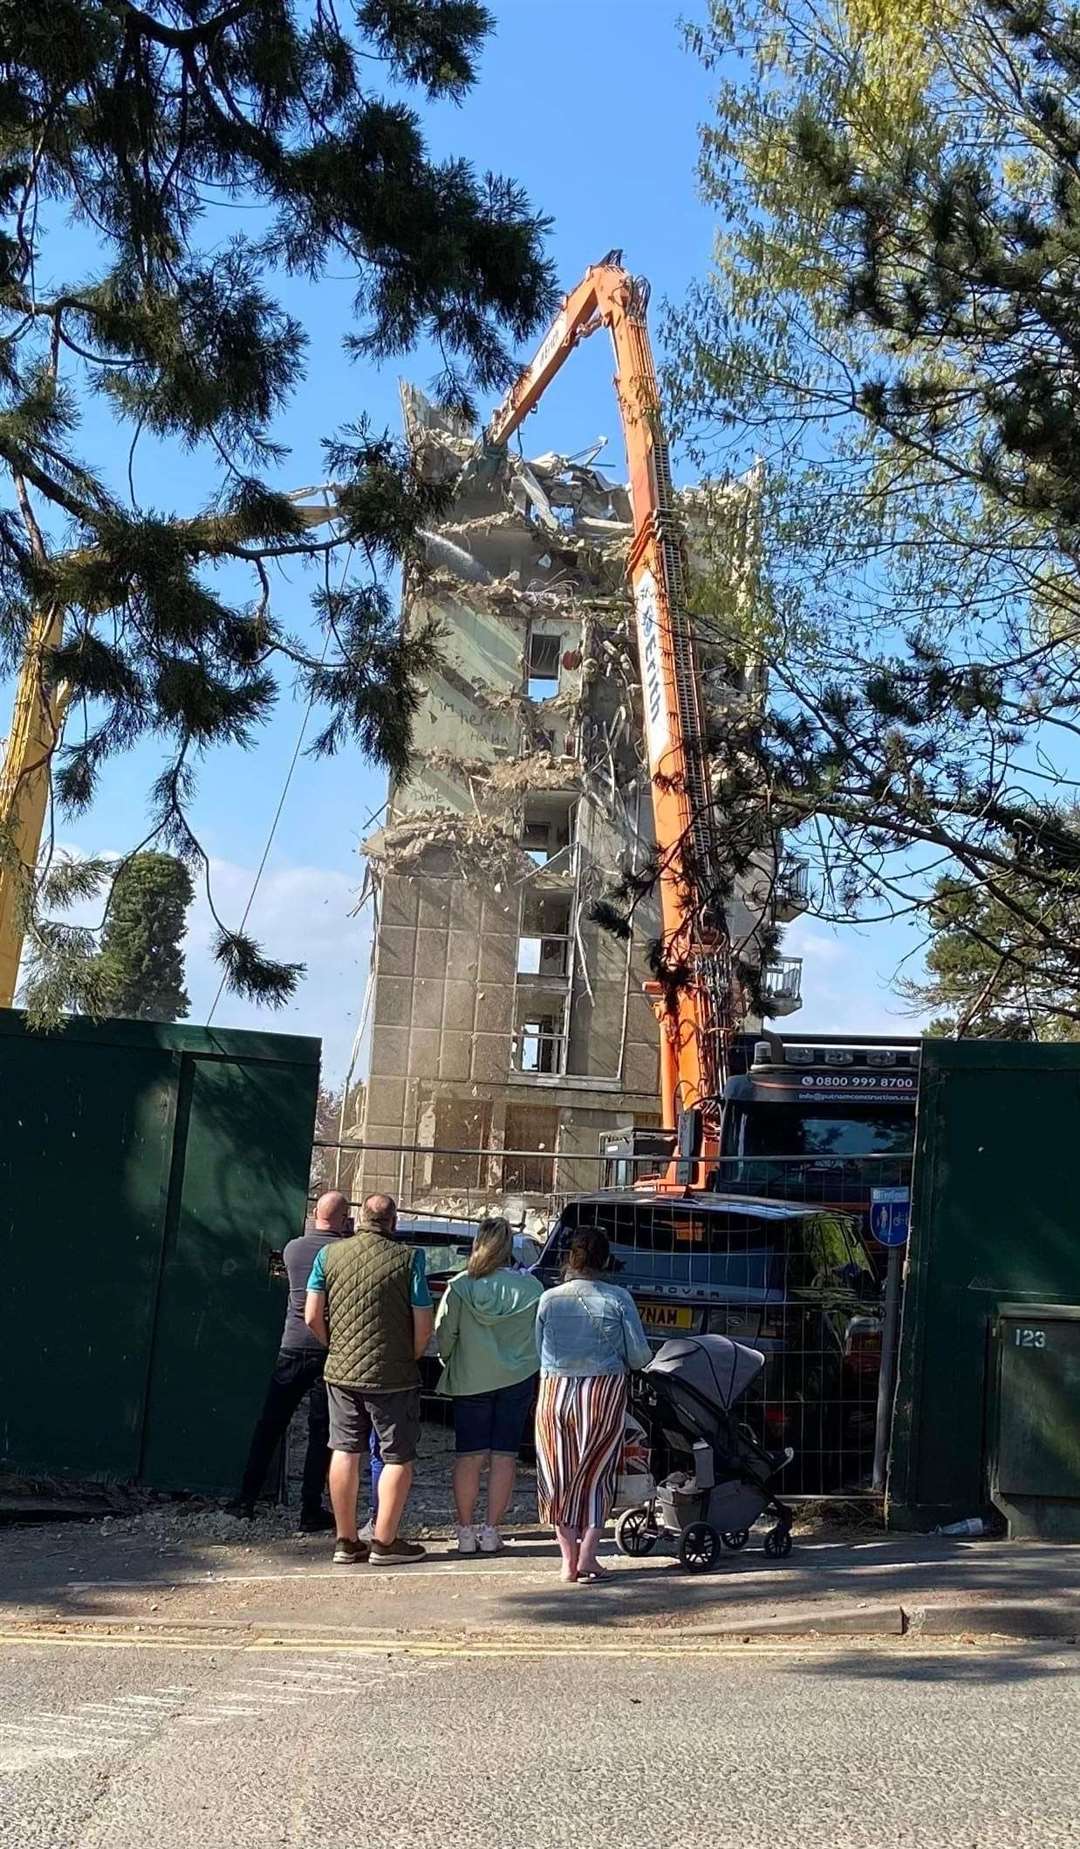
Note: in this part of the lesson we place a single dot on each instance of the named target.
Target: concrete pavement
(856, 1746)
(878, 1585)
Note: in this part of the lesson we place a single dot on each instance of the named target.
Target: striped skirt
(579, 1436)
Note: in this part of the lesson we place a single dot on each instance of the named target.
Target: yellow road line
(389, 1646)
(393, 1646)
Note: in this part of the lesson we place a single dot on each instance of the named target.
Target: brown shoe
(397, 1553)
(349, 1553)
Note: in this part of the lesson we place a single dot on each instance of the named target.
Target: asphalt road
(125, 1745)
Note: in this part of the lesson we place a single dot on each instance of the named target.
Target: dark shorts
(493, 1421)
(395, 1418)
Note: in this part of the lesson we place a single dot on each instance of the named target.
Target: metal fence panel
(798, 1288)
(806, 1290)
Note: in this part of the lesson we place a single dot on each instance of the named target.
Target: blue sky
(593, 105)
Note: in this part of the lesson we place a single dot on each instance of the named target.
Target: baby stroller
(687, 1392)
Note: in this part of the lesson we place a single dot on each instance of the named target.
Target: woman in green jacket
(485, 1333)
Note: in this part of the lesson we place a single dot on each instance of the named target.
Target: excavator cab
(633, 1155)
(654, 1158)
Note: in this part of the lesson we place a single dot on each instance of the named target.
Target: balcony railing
(781, 983)
(793, 883)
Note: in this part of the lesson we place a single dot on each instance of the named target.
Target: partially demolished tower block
(504, 1018)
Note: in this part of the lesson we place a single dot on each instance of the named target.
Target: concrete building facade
(509, 1029)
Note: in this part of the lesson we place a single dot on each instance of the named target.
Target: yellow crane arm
(36, 724)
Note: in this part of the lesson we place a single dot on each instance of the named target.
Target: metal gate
(147, 1174)
(803, 1283)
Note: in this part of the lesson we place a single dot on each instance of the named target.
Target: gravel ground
(430, 1505)
(429, 1513)
(167, 1523)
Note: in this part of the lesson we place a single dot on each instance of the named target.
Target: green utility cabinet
(994, 1234)
(147, 1175)
(1035, 1459)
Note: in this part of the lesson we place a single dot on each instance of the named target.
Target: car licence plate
(668, 1316)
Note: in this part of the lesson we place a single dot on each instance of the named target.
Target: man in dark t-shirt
(298, 1370)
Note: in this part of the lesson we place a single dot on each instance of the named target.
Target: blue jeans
(493, 1422)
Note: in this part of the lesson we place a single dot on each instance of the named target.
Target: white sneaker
(367, 1532)
(466, 1540)
(490, 1541)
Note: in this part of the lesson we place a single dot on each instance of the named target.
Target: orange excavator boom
(694, 995)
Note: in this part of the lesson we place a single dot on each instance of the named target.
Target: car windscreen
(444, 1257)
(683, 1248)
(824, 1131)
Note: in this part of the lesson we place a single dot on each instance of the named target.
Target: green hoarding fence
(147, 1174)
(994, 1223)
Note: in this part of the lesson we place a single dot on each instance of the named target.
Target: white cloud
(300, 914)
(813, 945)
(843, 989)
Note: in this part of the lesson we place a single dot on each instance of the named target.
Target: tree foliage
(988, 976)
(894, 318)
(147, 127)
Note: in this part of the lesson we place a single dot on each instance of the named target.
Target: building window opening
(546, 831)
(530, 1128)
(544, 944)
(542, 666)
(462, 1132)
(538, 1044)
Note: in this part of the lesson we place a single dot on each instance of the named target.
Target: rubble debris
(436, 758)
(541, 770)
(444, 842)
(538, 770)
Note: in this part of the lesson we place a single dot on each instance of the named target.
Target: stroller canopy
(718, 1369)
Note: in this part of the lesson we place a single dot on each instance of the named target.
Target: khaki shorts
(354, 1411)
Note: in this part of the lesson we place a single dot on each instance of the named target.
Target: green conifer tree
(141, 966)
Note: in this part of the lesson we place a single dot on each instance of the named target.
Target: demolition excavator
(695, 996)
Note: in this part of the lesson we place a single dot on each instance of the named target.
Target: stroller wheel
(699, 1548)
(633, 1534)
(778, 1543)
(738, 1538)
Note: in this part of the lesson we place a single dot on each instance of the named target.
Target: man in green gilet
(368, 1301)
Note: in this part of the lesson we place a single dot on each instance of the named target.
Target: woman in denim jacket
(588, 1335)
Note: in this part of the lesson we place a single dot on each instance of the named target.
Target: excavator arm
(694, 1000)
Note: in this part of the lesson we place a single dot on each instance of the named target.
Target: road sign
(890, 1214)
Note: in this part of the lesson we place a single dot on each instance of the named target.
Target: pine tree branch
(179, 38)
